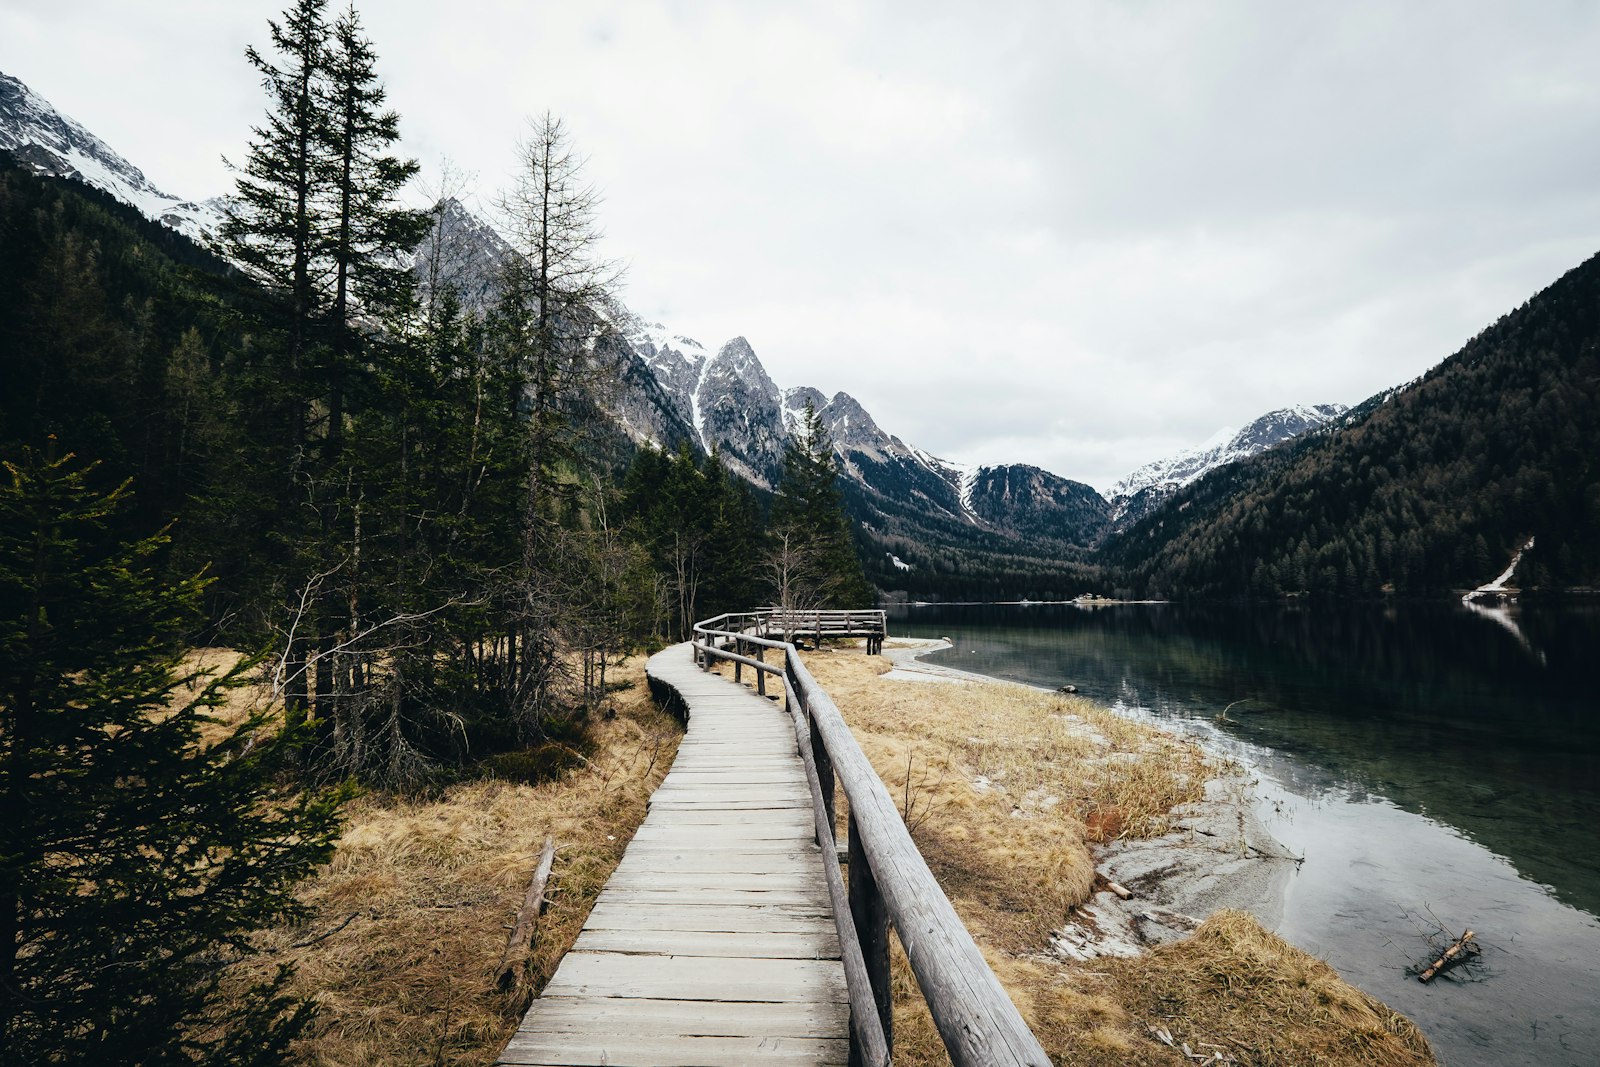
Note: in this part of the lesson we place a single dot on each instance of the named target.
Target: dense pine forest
(408, 507)
(1426, 489)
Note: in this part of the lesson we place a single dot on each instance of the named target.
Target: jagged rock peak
(795, 399)
(462, 253)
(851, 426)
(737, 407)
(737, 357)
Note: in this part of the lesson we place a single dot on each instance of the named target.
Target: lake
(1437, 765)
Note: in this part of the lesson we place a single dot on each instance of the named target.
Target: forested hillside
(1427, 488)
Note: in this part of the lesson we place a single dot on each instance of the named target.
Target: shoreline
(1218, 855)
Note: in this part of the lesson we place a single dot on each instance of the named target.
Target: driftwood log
(1462, 949)
(515, 959)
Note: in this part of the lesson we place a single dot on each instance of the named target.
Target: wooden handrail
(890, 883)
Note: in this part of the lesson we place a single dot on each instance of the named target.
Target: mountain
(48, 142)
(1151, 485)
(927, 525)
(462, 253)
(1035, 504)
(1425, 488)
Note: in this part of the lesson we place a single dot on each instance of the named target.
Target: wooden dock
(714, 941)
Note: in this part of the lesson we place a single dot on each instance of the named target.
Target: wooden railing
(890, 883)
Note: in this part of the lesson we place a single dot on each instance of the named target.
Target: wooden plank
(795, 883)
(705, 804)
(727, 842)
(629, 1050)
(792, 860)
(718, 895)
(689, 1018)
(801, 820)
(733, 791)
(713, 978)
(749, 835)
(720, 865)
(710, 918)
(811, 944)
(721, 787)
(750, 774)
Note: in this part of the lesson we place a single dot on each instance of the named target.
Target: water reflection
(1483, 722)
(1501, 615)
(1427, 761)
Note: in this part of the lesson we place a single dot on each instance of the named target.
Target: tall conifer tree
(275, 227)
(135, 855)
(369, 229)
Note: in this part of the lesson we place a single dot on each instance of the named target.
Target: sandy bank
(1217, 855)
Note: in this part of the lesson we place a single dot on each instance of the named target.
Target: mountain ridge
(672, 388)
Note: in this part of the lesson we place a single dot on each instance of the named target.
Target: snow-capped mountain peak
(42, 138)
(1146, 487)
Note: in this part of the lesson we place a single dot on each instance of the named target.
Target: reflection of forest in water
(1488, 724)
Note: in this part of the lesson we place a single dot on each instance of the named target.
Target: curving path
(713, 942)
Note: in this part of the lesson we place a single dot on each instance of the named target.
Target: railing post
(872, 927)
(738, 650)
(761, 675)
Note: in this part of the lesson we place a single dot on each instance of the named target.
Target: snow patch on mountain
(966, 478)
(1226, 446)
(42, 138)
(795, 399)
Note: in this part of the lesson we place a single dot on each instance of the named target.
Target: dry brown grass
(421, 893)
(1006, 789)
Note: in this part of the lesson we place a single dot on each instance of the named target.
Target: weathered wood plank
(813, 944)
(629, 1050)
(779, 856)
(689, 1018)
(731, 869)
(721, 895)
(715, 978)
(727, 842)
(703, 804)
(709, 918)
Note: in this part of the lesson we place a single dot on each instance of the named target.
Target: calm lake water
(1437, 766)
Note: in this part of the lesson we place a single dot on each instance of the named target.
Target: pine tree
(135, 856)
(275, 228)
(369, 229)
(543, 329)
(278, 231)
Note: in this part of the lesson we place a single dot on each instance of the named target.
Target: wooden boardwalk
(713, 943)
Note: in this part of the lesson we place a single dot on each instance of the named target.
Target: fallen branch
(348, 919)
(1462, 949)
(1121, 891)
(515, 959)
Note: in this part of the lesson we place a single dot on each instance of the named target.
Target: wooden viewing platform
(725, 936)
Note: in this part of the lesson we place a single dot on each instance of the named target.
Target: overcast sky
(1080, 235)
